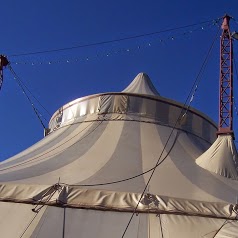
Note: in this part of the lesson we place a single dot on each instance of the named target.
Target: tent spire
(141, 85)
(226, 81)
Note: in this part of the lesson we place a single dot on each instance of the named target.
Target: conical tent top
(221, 158)
(141, 85)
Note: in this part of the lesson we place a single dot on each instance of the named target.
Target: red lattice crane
(226, 80)
(3, 63)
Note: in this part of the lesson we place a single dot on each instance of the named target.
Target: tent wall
(139, 108)
(58, 222)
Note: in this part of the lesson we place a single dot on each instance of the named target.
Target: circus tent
(86, 177)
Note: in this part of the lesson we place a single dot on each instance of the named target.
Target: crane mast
(226, 80)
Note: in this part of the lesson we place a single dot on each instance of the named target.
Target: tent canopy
(99, 155)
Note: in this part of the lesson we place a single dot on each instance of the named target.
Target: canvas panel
(49, 148)
(104, 224)
(199, 178)
(18, 220)
(168, 179)
(58, 157)
(120, 103)
(125, 161)
(87, 164)
(40, 146)
(105, 104)
(196, 227)
(72, 223)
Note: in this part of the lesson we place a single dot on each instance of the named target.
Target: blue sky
(29, 26)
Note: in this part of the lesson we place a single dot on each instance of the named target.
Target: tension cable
(20, 84)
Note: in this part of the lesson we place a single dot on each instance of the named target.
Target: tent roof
(91, 138)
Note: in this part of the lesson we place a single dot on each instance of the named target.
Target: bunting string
(122, 50)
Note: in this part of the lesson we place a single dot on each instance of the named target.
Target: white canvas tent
(85, 178)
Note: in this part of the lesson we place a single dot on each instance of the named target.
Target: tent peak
(142, 75)
(142, 85)
(221, 158)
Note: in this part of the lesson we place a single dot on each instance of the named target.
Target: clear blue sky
(28, 26)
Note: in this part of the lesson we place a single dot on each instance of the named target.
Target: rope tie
(47, 196)
(235, 210)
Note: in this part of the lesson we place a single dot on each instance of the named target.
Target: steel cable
(113, 41)
(25, 93)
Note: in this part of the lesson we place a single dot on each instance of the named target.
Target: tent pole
(3, 63)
